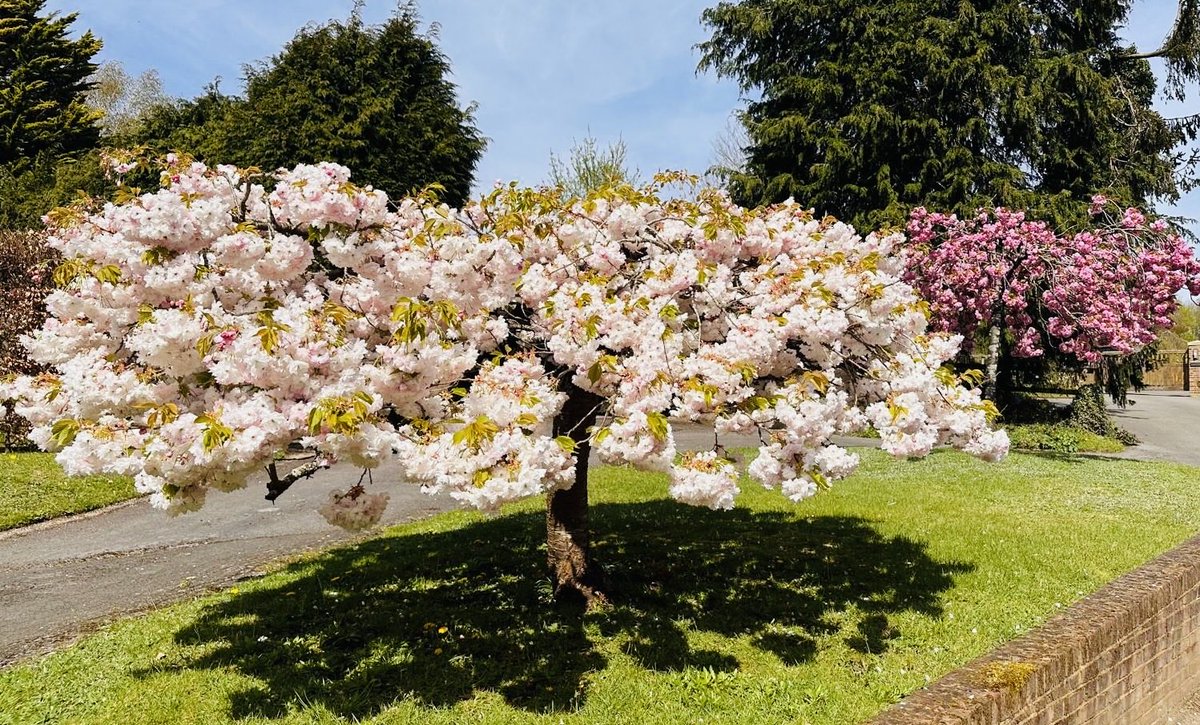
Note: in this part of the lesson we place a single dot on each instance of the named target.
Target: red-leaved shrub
(26, 267)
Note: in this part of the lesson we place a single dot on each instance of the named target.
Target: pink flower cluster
(203, 329)
(355, 509)
(1104, 289)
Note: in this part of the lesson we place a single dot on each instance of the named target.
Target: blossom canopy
(1110, 288)
(201, 330)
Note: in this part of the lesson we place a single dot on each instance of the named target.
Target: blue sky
(544, 73)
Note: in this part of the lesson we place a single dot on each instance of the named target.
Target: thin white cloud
(543, 72)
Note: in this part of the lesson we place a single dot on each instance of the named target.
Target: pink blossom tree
(201, 330)
(1033, 291)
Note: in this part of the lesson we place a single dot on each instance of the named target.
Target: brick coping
(1129, 653)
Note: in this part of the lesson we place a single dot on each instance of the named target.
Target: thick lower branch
(276, 485)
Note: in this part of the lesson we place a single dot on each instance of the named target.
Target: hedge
(26, 264)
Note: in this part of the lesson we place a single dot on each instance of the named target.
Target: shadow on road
(437, 617)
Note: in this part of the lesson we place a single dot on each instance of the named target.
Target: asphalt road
(1168, 424)
(59, 577)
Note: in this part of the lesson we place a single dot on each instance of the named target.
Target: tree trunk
(993, 363)
(572, 571)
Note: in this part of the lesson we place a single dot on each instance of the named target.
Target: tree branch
(276, 485)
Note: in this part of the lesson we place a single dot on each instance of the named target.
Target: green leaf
(64, 431)
(477, 432)
(658, 425)
(145, 314)
(214, 433)
(109, 273)
(157, 255)
(316, 417)
(817, 379)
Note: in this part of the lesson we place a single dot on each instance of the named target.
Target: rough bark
(568, 553)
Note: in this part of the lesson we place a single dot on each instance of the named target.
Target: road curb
(68, 518)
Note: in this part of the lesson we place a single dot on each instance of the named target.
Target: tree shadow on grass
(437, 617)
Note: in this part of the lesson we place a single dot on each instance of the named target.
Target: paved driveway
(57, 578)
(1167, 423)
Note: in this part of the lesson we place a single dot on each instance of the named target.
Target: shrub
(1087, 412)
(25, 271)
(1061, 438)
(1045, 437)
(1083, 425)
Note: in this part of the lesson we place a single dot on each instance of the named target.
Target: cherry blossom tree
(1033, 291)
(201, 330)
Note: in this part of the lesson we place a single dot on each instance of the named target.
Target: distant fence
(1167, 370)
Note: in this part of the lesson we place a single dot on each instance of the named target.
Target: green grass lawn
(33, 488)
(822, 612)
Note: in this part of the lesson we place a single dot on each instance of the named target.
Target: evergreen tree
(374, 98)
(212, 126)
(44, 75)
(864, 108)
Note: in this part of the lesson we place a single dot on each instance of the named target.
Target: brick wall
(1130, 653)
(1193, 365)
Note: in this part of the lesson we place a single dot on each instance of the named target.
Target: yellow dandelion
(442, 630)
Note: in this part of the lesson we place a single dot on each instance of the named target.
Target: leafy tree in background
(44, 75)
(125, 100)
(123, 104)
(870, 107)
(729, 150)
(374, 98)
(45, 183)
(1187, 321)
(213, 126)
(591, 167)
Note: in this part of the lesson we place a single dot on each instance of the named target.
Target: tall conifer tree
(43, 78)
(864, 108)
(375, 98)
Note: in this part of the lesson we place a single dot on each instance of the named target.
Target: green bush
(1060, 438)
(1083, 425)
(1024, 409)
(1087, 412)
(1045, 437)
(26, 265)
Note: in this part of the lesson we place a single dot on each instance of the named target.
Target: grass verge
(822, 612)
(33, 488)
